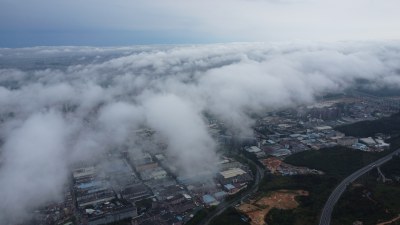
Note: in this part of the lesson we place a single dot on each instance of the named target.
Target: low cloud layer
(61, 105)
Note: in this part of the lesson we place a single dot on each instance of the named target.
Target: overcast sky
(125, 22)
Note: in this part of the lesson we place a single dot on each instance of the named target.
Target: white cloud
(35, 165)
(84, 108)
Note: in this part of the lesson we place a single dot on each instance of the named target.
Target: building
(109, 212)
(323, 128)
(105, 194)
(209, 200)
(368, 141)
(231, 189)
(135, 192)
(234, 175)
(155, 174)
(93, 192)
(253, 149)
(84, 172)
(233, 172)
(347, 141)
(360, 146)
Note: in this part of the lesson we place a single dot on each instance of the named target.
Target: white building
(232, 173)
(253, 149)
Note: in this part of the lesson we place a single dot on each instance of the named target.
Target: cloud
(185, 131)
(63, 105)
(120, 120)
(34, 167)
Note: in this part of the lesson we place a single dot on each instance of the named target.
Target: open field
(281, 199)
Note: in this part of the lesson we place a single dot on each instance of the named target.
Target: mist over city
(88, 101)
(239, 112)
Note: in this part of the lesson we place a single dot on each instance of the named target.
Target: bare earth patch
(282, 199)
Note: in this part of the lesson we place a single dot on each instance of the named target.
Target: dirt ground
(282, 199)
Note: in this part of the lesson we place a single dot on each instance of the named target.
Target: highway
(326, 214)
(224, 205)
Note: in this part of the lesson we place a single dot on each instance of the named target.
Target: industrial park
(148, 189)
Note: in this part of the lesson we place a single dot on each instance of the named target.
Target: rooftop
(208, 199)
(232, 173)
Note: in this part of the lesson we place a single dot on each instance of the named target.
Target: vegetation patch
(389, 125)
(337, 161)
(371, 201)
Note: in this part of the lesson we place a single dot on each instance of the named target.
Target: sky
(128, 22)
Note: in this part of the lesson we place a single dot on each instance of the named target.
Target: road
(224, 205)
(326, 215)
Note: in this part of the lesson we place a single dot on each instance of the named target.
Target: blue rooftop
(208, 199)
(229, 186)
